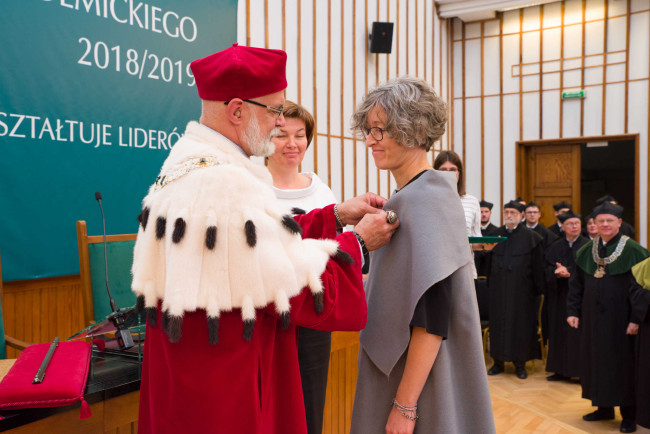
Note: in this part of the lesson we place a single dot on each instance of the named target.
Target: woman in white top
(305, 191)
(451, 162)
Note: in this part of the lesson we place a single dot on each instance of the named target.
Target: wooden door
(550, 174)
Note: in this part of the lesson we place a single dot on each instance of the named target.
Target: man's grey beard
(258, 145)
(510, 222)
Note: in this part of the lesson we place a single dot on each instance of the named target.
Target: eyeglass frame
(368, 132)
(277, 111)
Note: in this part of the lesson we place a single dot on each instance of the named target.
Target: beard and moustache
(510, 221)
(259, 145)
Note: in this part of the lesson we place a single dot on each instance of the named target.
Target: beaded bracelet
(364, 249)
(403, 409)
(339, 223)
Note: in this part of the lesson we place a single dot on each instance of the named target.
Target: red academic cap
(240, 72)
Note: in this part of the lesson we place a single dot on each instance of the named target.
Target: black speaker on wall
(381, 38)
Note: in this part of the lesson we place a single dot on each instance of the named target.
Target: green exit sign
(573, 94)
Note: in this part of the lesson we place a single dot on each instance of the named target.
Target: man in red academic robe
(220, 267)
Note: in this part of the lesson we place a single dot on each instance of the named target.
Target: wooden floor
(540, 406)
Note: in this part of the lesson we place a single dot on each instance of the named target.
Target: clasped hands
(632, 328)
(369, 219)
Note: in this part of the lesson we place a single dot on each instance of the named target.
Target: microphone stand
(122, 333)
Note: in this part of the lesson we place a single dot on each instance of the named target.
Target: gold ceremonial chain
(601, 262)
(183, 169)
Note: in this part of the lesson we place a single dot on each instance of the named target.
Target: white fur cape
(217, 239)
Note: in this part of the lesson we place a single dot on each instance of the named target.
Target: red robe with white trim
(252, 387)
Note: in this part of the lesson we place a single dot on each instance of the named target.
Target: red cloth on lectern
(246, 387)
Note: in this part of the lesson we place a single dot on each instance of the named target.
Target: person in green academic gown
(600, 305)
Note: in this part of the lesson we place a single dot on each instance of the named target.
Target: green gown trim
(632, 254)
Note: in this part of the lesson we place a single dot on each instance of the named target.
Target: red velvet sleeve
(344, 299)
(319, 223)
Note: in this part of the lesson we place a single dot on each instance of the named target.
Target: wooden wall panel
(510, 125)
(329, 70)
(638, 122)
(530, 116)
(539, 51)
(473, 64)
(639, 46)
(551, 106)
(491, 71)
(593, 123)
(341, 383)
(118, 415)
(473, 147)
(492, 160)
(615, 113)
(457, 128)
(38, 310)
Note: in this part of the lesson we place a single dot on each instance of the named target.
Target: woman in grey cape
(421, 366)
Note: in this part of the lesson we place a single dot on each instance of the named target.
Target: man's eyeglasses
(376, 132)
(606, 221)
(275, 111)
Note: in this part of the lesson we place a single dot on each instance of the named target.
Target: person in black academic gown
(516, 279)
(481, 261)
(532, 213)
(559, 208)
(640, 295)
(600, 305)
(590, 231)
(564, 341)
(487, 229)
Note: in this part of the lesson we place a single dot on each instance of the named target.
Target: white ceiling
(473, 10)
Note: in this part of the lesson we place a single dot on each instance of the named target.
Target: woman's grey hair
(415, 115)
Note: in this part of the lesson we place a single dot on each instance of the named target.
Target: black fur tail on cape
(343, 256)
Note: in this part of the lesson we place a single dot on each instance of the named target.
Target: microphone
(122, 334)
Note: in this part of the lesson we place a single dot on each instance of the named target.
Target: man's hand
(573, 321)
(352, 210)
(375, 231)
(483, 247)
(632, 329)
(561, 270)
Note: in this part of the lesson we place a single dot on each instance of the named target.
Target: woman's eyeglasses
(376, 132)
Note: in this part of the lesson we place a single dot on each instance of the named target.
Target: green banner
(93, 94)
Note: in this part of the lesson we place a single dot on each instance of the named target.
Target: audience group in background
(594, 317)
